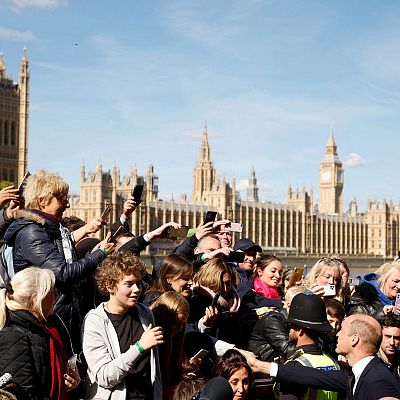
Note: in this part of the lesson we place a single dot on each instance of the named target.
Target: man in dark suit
(359, 341)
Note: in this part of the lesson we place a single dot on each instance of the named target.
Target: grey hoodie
(107, 367)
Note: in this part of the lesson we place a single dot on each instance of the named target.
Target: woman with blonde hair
(324, 272)
(376, 293)
(39, 238)
(171, 312)
(31, 347)
(216, 281)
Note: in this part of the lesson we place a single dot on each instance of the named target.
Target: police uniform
(309, 356)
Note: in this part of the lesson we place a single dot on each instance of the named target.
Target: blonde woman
(30, 345)
(217, 278)
(324, 272)
(376, 293)
(39, 238)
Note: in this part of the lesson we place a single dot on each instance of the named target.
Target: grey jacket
(107, 367)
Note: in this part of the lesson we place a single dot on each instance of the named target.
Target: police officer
(307, 320)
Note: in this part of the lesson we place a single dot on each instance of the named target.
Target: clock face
(326, 176)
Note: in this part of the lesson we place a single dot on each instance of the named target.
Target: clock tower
(331, 180)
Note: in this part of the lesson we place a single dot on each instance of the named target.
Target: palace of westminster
(298, 226)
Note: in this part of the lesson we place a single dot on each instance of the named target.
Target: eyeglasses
(61, 196)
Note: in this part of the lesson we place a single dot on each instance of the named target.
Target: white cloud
(354, 160)
(11, 34)
(49, 4)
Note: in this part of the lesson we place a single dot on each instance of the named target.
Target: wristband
(139, 347)
(104, 251)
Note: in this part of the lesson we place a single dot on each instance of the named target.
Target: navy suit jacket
(375, 382)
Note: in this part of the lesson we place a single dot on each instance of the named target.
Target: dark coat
(365, 300)
(4, 222)
(270, 338)
(186, 248)
(24, 349)
(375, 382)
(37, 242)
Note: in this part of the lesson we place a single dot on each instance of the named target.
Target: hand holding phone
(236, 256)
(137, 193)
(215, 299)
(115, 234)
(105, 214)
(210, 217)
(199, 357)
(71, 363)
(175, 233)
(329, 290)
(396, 309)
(22, 185)
(235, 227)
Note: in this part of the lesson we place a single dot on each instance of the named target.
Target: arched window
(1, 131)
(6, 132)
(13, 141)
(5, 175)
(12, 177)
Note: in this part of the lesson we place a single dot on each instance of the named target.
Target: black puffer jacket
(269, 338)
(37, 242)
(365, 300)
(24, 349)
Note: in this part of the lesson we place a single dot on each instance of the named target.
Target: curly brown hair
(113, 269)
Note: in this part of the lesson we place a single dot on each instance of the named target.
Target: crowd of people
(82, 318)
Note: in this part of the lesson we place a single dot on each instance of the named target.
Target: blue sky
(132, 82)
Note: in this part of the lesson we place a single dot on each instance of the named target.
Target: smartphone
(397, 305)
(22, 185)
(175, 233)
(104, 216)
(137, 193)
(236, 256)
(199, 356)
(210, 217)
(329, 290)
(296, 276)
(235, 227)
(71, 363)
(115, 234)
(215, 299)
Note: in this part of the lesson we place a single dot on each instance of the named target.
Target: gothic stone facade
(295, 227)
(14, 112)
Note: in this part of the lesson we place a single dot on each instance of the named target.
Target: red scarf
(58, 363)
(267, 291)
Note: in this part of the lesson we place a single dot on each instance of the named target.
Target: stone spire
(2, 67)
(252, 188)
(205, 154)
(331, 147)
(23, 89)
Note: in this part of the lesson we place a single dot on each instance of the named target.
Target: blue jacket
(372, 279)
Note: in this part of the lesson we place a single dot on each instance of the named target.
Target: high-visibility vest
(319, 361)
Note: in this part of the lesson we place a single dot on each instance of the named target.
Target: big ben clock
(326, 176)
